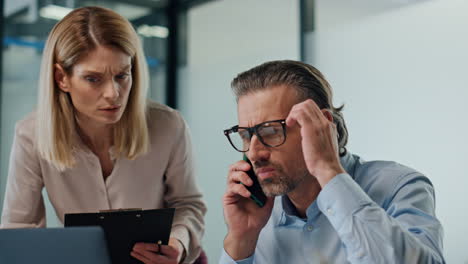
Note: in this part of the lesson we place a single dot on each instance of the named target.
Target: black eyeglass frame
(253, 131)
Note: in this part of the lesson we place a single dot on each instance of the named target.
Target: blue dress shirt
(377, 212)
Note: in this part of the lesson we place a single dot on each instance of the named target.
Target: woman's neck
(99, 138)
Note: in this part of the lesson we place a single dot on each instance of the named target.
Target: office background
(398, 65)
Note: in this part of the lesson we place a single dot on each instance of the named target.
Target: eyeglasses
(270, 133)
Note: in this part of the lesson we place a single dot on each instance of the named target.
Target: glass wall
(26, 26)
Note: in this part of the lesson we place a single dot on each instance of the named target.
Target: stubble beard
(283, 183)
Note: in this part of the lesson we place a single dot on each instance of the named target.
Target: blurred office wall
(224, 39)
(400, 68)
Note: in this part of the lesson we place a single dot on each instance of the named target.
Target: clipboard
(125, 227)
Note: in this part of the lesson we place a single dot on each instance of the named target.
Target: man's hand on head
(319, 140)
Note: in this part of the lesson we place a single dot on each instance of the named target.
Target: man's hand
(319, 140)
(149, 253)
(243, 217)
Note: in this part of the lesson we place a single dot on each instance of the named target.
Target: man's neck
(304, 195)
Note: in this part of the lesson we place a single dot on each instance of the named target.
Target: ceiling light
(54, 12)
(153, 31)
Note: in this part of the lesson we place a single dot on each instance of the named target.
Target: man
(324, 205)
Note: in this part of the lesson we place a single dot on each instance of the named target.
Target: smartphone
(256, 192)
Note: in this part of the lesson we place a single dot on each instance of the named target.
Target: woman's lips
(110, 109)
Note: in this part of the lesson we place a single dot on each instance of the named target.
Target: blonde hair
(80, 32)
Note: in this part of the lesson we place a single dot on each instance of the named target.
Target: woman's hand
(152, 253)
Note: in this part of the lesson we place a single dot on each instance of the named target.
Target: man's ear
(61, 78)
(328, 114)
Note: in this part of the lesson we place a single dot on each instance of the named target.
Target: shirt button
(310, 228)
(330, 211)
(360, 254)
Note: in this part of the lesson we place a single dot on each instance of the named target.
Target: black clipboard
(124, 228)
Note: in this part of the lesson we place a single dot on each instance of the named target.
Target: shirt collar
(290, 210)
(348, 161)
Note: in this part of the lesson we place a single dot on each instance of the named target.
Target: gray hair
(307, 82)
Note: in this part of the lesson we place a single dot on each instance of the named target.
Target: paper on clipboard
(124, 228)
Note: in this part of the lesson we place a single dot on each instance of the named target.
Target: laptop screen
(75, 245)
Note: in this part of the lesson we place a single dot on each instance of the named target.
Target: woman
(96, 143)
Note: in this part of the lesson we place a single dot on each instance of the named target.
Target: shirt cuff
(226, 259)
(340, 198)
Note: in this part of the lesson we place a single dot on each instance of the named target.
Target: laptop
(74, 245)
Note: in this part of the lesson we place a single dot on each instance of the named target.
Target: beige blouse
(161, 178)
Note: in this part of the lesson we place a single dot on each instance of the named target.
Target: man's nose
(257, 150)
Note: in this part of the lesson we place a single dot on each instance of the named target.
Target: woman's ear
(61, 78)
